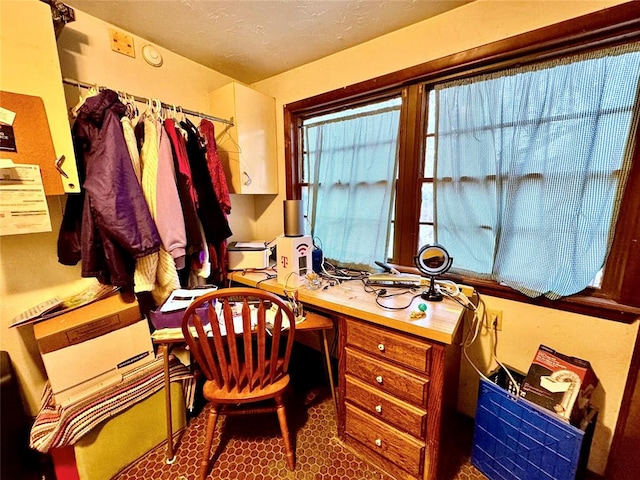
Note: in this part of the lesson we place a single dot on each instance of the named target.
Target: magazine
(57, 306)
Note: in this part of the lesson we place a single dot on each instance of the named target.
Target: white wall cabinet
(248, 148)
(29, 65)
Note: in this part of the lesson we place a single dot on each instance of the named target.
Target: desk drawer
(387, 345)
(385, 407)
(387, 377)
(398, 447)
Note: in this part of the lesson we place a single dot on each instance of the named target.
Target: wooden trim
(291, 147)
(584, 304)
(622, 464)
(623, 264)
(408, 185)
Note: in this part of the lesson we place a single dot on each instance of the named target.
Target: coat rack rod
(79, 84)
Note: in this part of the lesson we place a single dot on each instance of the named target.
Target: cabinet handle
(378, 442)
(381, 347)
(379, 379)
(379, 408)
(248, 180)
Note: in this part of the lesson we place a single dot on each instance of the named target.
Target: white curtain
(529, 166)
(353, 163)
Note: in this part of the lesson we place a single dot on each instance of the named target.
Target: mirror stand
(432, 260)
(431, 295)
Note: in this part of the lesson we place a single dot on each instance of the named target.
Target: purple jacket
(108, 225)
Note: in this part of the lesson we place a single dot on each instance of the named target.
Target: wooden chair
(242, 362)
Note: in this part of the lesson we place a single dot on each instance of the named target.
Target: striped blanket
(57, 426)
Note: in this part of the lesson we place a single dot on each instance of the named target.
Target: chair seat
(214, 393)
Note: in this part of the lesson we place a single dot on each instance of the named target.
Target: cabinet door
(248, 148)
(29, 65)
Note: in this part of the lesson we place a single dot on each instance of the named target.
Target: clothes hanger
(135, 112)
(93, 91)
(178, 123)
(224, 135)
(156, 109)
(76, 108)
(182, 118)
(149, 112)
(122, 96)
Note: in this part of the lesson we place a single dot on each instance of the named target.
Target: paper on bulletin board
(23, 204)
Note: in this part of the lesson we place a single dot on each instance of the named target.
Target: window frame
(618, 298)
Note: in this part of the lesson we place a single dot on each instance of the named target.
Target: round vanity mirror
(432, 260)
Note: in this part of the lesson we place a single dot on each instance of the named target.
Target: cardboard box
(560, 383)
(91, 347)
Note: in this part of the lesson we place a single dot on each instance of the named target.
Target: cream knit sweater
(157, 272)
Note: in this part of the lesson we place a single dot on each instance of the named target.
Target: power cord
(383, 293)
(342, 275)
(452, 290)
(474, 328)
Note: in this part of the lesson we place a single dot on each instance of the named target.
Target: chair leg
(206, 449)
(282, 418)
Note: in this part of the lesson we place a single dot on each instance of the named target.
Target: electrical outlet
(122, 43)
(495, 318)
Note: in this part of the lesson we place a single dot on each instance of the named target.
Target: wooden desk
(312, 322)
(397, 377)
(440, 324)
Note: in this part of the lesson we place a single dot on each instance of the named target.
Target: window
(423, 154)
(529, 161)
(347, 181)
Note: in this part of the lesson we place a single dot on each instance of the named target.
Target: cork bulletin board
(33, 143)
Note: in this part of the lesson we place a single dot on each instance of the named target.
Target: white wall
(607, 345)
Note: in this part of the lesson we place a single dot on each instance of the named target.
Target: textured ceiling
(251, 40)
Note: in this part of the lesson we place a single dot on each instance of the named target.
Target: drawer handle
(379, 379)
(379, 408)
(378, 442)
(381, 347)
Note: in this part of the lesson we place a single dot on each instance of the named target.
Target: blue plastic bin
(516, 439)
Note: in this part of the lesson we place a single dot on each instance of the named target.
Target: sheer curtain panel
(352, 167)
(529, 166)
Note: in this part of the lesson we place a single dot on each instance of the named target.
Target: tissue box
(560, 383)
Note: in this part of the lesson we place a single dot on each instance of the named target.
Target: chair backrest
(235, 336)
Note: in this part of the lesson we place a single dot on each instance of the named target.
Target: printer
(248, 255)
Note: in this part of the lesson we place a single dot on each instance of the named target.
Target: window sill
(585, 303)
